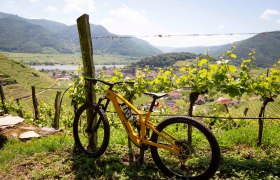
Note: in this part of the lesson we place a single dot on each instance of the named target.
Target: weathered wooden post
(88, 66)
(35, 103)
(57, 110)
(87, 54)
(3, 99)
(261, 115)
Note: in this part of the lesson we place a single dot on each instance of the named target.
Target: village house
(201, 100)
(170, 103)
(63, 79)
(175, 95)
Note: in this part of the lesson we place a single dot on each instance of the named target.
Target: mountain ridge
(266, 46)
(51, 36)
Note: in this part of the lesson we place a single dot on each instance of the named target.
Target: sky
(148, 18)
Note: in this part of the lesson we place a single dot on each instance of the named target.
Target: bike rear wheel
(199, 155)
(91, 138)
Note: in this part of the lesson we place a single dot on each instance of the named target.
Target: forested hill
(164, 60)
(266, 45)
(42, 36)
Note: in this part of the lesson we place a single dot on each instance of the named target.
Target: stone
(28, 135)
(9, 121)
(46, 131)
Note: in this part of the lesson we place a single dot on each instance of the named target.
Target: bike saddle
(156, 95)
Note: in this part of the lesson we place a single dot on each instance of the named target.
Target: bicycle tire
(166, 161)
(83, 138)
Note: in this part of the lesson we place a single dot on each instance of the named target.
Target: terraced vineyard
(254, 105)
(18, 79)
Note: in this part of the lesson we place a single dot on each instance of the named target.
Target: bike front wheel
(199, 150)
(91, 130)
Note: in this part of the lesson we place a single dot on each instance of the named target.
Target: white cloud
(191, 41)
(79, 6)
(268, 13)
(33, 1)
(51, 9)
(125, 20)
(11, 2)
(221, 26)
(278, 21)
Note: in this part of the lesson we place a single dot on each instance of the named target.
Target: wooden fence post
(3, 99)
(57, 110)
(35, 103)
(87, 54)
(88, 66)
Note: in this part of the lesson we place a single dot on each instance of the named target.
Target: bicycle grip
(92, 80)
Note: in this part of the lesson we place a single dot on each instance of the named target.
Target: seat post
(153, 104)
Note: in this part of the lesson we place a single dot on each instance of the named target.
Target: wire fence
(211, 117)
(179, 35)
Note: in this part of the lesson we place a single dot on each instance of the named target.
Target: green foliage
(268, 86)
(230, 79)
(164, 81)
(197, 78)
(77, 91)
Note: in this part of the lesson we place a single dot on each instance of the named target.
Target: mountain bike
(176, 151)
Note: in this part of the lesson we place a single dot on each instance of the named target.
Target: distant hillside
(123, 46)
(18, 79)
(212, 50)
(164, 60)
(38, 35)
(266, 45)
(21, 36)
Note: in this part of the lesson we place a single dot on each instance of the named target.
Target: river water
(68, 67)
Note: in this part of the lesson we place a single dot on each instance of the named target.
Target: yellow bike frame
(143, 122)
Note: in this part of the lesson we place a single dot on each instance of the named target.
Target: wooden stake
(57, 110)
(35, 103)
(3, 99)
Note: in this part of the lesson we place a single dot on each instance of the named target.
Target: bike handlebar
(94, 81)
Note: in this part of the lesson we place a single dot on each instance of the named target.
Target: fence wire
(179, 35)
(212, 117)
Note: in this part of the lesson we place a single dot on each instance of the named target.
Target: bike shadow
(111, 165)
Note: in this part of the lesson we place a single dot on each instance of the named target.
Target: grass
(53, 157)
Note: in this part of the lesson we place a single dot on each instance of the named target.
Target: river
(68, 67)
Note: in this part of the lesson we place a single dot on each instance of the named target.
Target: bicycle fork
(90, 125)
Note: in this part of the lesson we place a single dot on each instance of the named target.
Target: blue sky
(153, 17)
